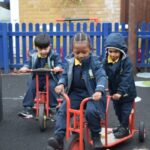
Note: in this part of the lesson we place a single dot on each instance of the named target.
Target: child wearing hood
(121, 84)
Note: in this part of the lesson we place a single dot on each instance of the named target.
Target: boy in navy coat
(121, 84)
(42, 57)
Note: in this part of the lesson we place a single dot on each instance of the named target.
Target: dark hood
(117, 41)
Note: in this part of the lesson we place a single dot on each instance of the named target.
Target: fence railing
(143, 45)
(16, 41)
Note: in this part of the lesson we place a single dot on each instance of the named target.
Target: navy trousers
(123, 111)
(28, 100)
(93, 113)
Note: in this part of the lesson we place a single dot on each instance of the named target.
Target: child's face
(114, 53)
(43, 52)
(81, 50)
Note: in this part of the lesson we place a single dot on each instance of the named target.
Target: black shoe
(122, 132)
(56, 142)
(97, 144)
(26, 113)
(114, 130)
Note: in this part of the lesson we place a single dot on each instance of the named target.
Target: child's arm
(57, 69)
(58, 61)
(97, 96)
(100, 76)
(116, 96)
(27, 66)
(24, 69)
(59, 89)
(126, 78)
(63, 80)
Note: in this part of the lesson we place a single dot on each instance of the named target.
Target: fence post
(106, 29)
(5, 48)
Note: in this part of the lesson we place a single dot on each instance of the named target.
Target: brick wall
(46, 11)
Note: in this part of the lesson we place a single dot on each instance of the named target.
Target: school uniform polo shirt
(41, 63)
(78, 89)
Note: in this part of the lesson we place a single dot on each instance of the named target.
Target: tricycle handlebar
(85, 100)
(44, 70)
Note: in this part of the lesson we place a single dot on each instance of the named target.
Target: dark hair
(42, 40)
(79, 37)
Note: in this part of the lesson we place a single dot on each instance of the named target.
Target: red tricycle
(78, 133)
(41, 101)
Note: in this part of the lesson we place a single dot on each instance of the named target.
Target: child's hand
(60, 88)
(97, 96)
(24, 70)
(116, 96)
(57, 69)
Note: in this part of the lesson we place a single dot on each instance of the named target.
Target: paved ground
(19, 134)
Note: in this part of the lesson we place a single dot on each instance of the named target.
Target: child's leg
(60, 127)
(117, 108)
(93, 115)
(28, 101)
(125, 112)
(52, 94)
(30, 95)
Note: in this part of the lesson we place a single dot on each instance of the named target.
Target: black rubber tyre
(142, 133)
(73, 143)
(42, 117)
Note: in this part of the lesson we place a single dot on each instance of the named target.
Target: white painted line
(140, 149)
(143, 75)
(142, 83)
(13, 98)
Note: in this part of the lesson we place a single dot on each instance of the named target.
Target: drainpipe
(132, 33)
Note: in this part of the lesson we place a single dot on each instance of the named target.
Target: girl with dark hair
(83, 77)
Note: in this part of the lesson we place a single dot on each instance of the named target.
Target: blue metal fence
(143, 45)
(16, 41)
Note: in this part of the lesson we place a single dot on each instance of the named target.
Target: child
(42, 57)
(120, 81)
(83, 77)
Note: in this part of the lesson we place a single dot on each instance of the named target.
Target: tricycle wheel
(42, 117)
(142, 133)
(73, 143)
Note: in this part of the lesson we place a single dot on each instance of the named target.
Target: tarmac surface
(22, 134)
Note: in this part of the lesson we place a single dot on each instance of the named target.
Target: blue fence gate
(16, 41)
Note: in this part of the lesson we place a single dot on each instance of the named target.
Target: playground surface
(20, 134)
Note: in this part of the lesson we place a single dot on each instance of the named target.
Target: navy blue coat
(120, 74)
(92, 72)
(53, 60)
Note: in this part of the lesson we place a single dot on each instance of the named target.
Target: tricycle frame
(80, 125)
